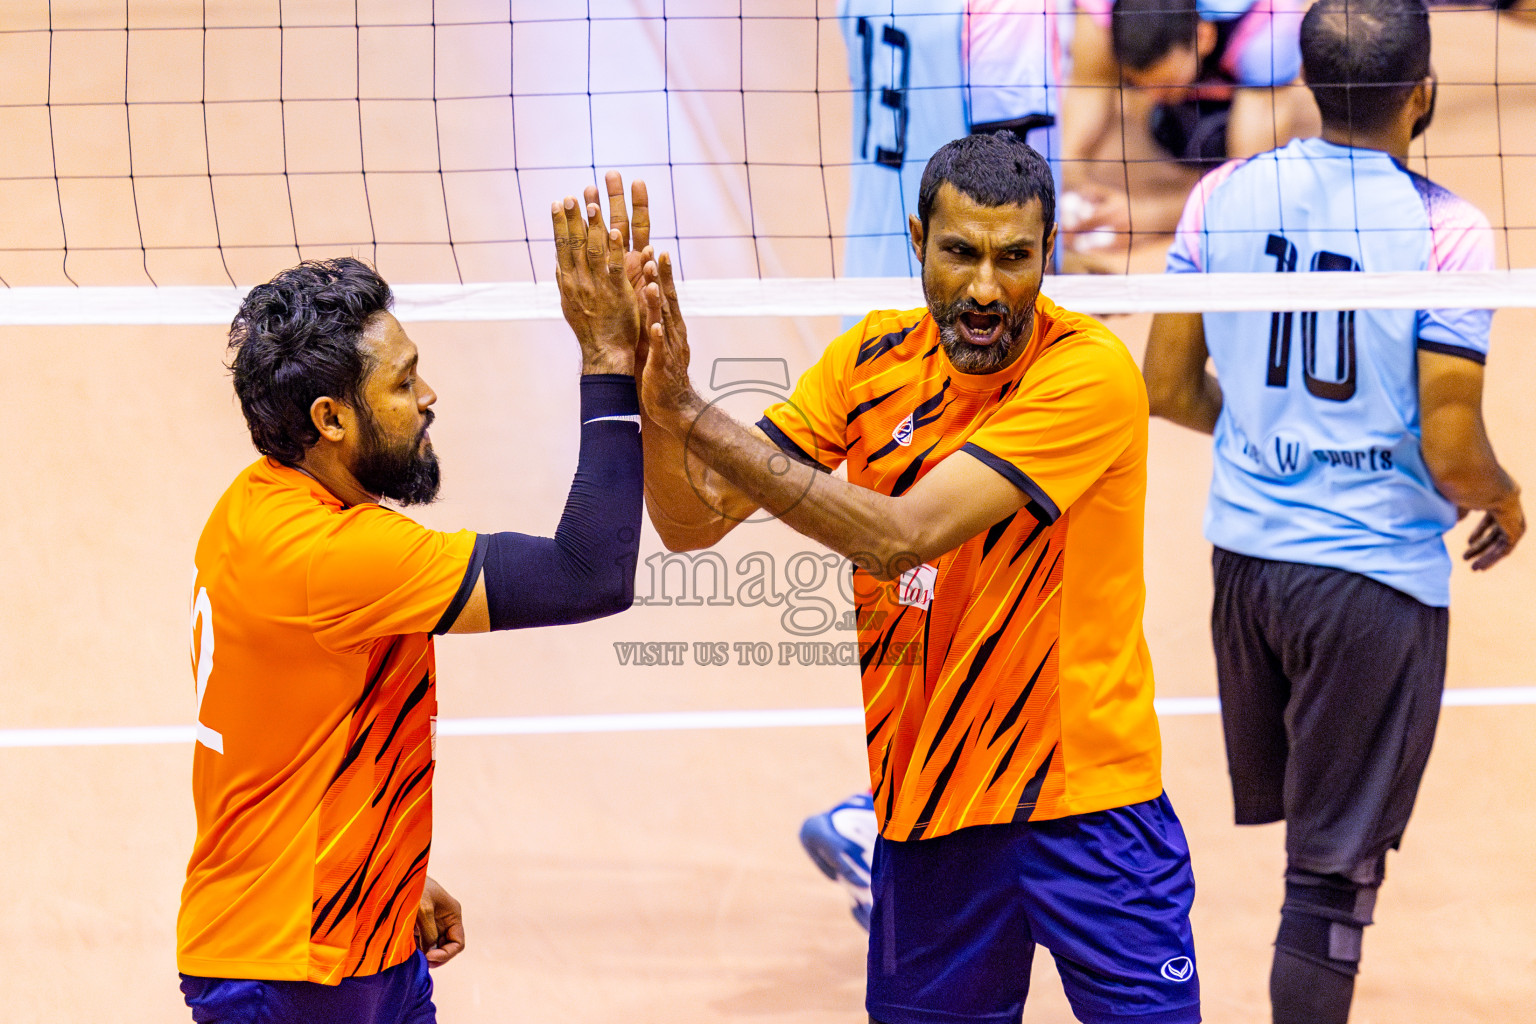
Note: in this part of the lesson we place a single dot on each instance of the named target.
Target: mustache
(968, 305)
(431, 418)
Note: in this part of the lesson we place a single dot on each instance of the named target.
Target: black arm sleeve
(587, 570)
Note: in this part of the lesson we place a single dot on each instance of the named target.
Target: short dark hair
(1143, 32)
(296, 339)
(996, 169)
(1363, 58)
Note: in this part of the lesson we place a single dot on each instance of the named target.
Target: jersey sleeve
(381, 574)
(1011, 59)
(1187, 253)
(1265, 46)
(812, 424)
(1460, 239)
(1075, 413)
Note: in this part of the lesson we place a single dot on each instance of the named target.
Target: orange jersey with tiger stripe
(312, 775)
(1009, 679)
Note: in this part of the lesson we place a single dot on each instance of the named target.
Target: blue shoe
(842, 841)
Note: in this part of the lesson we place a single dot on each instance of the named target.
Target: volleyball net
(161, 157)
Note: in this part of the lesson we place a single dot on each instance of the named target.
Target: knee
(1323, 920)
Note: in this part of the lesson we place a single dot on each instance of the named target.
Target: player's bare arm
(1460, 457)
(1262, 119)
(881, 534)
(1179, 387)
(1089, 104)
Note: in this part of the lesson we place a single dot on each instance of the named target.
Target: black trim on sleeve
(1453, 350)
(466, 586)
(787, 446)
(1040, 504)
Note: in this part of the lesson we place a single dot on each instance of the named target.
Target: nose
(983, 289)
(425, 396)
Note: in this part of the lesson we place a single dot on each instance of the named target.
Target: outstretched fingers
(641, 213)
(568, 236)
(618, 216)
(596, 236)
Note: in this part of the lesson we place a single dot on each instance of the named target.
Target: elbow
(893, 555)
(610, 597)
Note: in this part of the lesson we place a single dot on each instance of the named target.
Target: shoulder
(879, 333)
(1444, 207)
(1081, 353)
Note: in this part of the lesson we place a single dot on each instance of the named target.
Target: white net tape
(809, 297)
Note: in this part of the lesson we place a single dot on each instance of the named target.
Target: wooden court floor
(655, 876)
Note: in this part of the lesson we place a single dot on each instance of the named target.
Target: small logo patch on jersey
(915, 588)
(1180, 968)
(902, 435)
(1286, 455)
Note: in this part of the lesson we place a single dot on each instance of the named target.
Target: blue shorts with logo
(955, 921)
(400, 995)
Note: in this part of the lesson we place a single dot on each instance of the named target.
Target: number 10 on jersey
(1339, 388)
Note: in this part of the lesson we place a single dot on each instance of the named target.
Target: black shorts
(1330, 693)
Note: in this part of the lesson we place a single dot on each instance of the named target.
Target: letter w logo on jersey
(915, 587)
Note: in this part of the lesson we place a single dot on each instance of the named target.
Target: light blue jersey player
(1345, 443)
(924, 72)
(1317, 455)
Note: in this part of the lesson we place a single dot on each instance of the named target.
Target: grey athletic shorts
(1330, 693)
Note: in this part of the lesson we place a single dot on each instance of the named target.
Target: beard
(406, 474)
(1017, 326)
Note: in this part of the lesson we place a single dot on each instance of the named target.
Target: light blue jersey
(1317, 453)
(923, 72)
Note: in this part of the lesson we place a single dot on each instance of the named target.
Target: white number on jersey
(202, 661)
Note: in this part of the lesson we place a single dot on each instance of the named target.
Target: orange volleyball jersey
(1009, 679)
(316, 692)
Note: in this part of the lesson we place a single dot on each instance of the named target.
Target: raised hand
(597, 294)
(665, 390)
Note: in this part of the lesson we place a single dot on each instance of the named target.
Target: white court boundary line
(663, 721)
(506, 301)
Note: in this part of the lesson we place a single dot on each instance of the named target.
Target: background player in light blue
(1346, 444)
(924, 72)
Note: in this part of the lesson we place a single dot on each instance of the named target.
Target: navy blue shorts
(400, 995)
(955, 920)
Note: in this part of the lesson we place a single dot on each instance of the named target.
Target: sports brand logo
(902, 435)
(916, 587)
(1180, 968)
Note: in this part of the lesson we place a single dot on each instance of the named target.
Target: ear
(1050, 244)
(915, 226)
(327, 415)
(1205, 38)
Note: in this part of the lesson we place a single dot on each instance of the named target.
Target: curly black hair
(296, 339)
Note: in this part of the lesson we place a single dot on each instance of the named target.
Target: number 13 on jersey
(202, 664)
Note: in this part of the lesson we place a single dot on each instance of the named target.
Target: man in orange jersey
(996, 448)
(313, 616)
